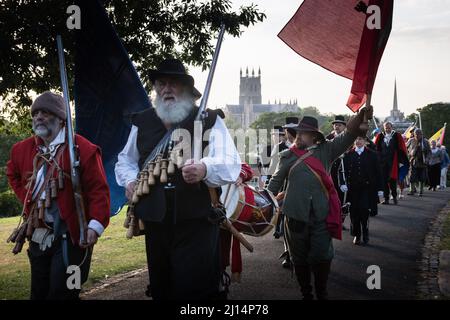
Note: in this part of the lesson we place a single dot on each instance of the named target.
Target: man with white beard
(182, 243)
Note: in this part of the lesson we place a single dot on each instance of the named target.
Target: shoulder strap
(320, 181)
(300, 160)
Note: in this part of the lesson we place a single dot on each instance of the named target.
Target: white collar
(59, 139)
(359, 150)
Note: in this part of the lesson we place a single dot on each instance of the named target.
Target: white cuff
(207, 163)
(96, 226)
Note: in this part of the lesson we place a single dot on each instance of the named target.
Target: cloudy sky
(417, 54)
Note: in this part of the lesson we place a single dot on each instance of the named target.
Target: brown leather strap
(300, 160)
(215, 201)
(320, 181)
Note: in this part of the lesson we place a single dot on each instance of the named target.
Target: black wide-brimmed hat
(278, 130)
(339, 119)
(309, 124)
(174, 68)
(291, 122)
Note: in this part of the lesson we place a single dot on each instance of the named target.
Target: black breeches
(359, 219)
(48, 270)
(390, 185)
(183, 259)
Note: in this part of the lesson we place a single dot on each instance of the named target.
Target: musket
(201, 115)
(73, 150)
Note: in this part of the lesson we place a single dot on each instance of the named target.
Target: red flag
(332, 34)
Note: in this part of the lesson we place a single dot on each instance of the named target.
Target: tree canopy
(150, 30)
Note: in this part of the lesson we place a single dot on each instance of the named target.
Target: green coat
(304, 189)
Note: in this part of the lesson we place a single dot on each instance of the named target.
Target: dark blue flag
(107, 90)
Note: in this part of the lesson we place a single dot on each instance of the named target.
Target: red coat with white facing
(92, 178)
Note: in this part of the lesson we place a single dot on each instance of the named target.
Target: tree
(150, 30)
(433, 118)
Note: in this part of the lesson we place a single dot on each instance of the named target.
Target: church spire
(395, 107)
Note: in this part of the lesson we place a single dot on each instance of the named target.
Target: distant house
(250, 101)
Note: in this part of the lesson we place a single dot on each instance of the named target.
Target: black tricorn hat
(309, 124)
(174, 68)
(339, 119)
(277, 130)
(291, 122)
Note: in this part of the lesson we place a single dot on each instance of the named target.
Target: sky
(417, 55)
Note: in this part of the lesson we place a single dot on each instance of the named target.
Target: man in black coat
(392, 151)
(336, 171)
(364, 180)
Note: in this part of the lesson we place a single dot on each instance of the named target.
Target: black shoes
(287, 264)
(366, 235)
(357, 241)
(395, 201)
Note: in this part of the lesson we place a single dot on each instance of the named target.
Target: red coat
(92, 177)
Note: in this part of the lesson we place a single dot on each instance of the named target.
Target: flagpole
(420, 121)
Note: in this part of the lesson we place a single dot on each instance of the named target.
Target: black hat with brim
(339, 119)
(174, 68)
(309, 124)
(278, 130)
(291, 122)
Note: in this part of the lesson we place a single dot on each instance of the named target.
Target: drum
(250, 211)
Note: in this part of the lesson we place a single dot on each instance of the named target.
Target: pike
(201, 115)
(73, 149)
(197, 139)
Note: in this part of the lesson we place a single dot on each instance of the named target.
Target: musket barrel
(74, 163)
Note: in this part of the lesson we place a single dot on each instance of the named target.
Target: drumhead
(230, 198)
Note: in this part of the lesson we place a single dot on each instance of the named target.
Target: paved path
(396, 239)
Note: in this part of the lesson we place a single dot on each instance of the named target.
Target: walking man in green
(311, 204)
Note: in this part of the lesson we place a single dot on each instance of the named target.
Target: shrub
(9, 204)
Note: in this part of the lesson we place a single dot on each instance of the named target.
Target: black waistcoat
(387, 151)
(191, 200)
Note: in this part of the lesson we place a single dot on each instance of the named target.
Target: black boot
(321, 272)
(287, 260)
(303, 274)
(365, 235)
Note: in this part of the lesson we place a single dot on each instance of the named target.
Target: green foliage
(9, 204)
(434, 116)
(6, 142)
(150, 31)
(270, 119)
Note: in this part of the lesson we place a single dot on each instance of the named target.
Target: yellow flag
(439, 136)
(408, 132)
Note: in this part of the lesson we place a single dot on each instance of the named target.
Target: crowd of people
(187, 252)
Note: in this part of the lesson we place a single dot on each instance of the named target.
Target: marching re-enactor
(39, 173)
(392, 151)
(336, 171)
(311, 204)
(365, 185)
(182, 244)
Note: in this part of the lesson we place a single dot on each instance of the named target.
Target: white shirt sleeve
(223, 163)
(127, 167)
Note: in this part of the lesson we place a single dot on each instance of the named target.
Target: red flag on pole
(334, 35)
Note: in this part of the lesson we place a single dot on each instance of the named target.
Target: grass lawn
(113, 254)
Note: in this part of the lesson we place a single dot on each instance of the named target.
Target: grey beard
(42, 131)
(176, 112)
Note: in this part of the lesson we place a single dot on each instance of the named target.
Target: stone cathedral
(250, 101)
